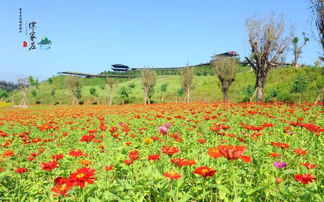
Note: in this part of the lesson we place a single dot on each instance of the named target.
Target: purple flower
(167, 125)
(280, 164)
(163, 129)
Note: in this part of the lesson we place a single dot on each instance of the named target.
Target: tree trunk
(188, 94)
(146, 95)
(225, 95)
(259, 87)
(24, 98)
(295, 59)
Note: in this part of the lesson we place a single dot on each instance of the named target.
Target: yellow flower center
(204, 170)
(80, 175)
(62, 187)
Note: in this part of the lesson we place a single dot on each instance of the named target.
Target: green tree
(164, 89)
(248, 93)
(73, 84)
(180, 92)
(34, 94)
(111, 83)
(148, 77)
(299, 85)
(274, 93)
(93, 93)
(225, 69)
(187, 74)
(3, 95)
(52, 85)
(124, 94)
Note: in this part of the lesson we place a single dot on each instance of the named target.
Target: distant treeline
(8, 86)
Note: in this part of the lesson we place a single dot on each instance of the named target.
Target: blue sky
(89, 36)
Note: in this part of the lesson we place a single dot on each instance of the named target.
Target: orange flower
(309, 166)
(274, 155)
(172, 175)
(300, 152)
(231, 152)
(85, 162)
(214, 152)
(204, 171)
(108, 168)
(7, 153)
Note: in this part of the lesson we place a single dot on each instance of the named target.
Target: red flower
(57, 157)
(304, 178)
(113, 129)
(128, 161)
(170, 150)
(280, 144)
(7, 153)
(62, 186)
(309, 166)
(82, 175)
(154, 157)
(133, 155)
(1, 170)
(87, 138)
(49, 166)
(300, 152)
(108, 168)
(201, 141)
(204, 171)
(76, 153)
(30, 158)
(183, 162)
(274, 155)
(172, 175)
(233, 152)
(21, 170)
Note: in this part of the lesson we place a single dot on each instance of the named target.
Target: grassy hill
(206, 87)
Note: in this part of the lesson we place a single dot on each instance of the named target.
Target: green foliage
(34, 93)
(78, 94)
(206, 88)
(93, 92)
(164, 87)
(299, 84)
(180, 92)
(3, 94)
(53, 91)
(248, 92)
(274, 93)
(131, 85)
(125, 92)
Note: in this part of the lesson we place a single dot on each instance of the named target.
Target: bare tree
(148, 80)
(317, 7)
(73, 84)
(268, 40)
(23, 86)
(111, 83)
(298, 50)
(225, 69)
(187, 74)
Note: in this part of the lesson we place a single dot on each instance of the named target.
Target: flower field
(162, 152)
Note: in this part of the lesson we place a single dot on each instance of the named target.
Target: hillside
(206, 87)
